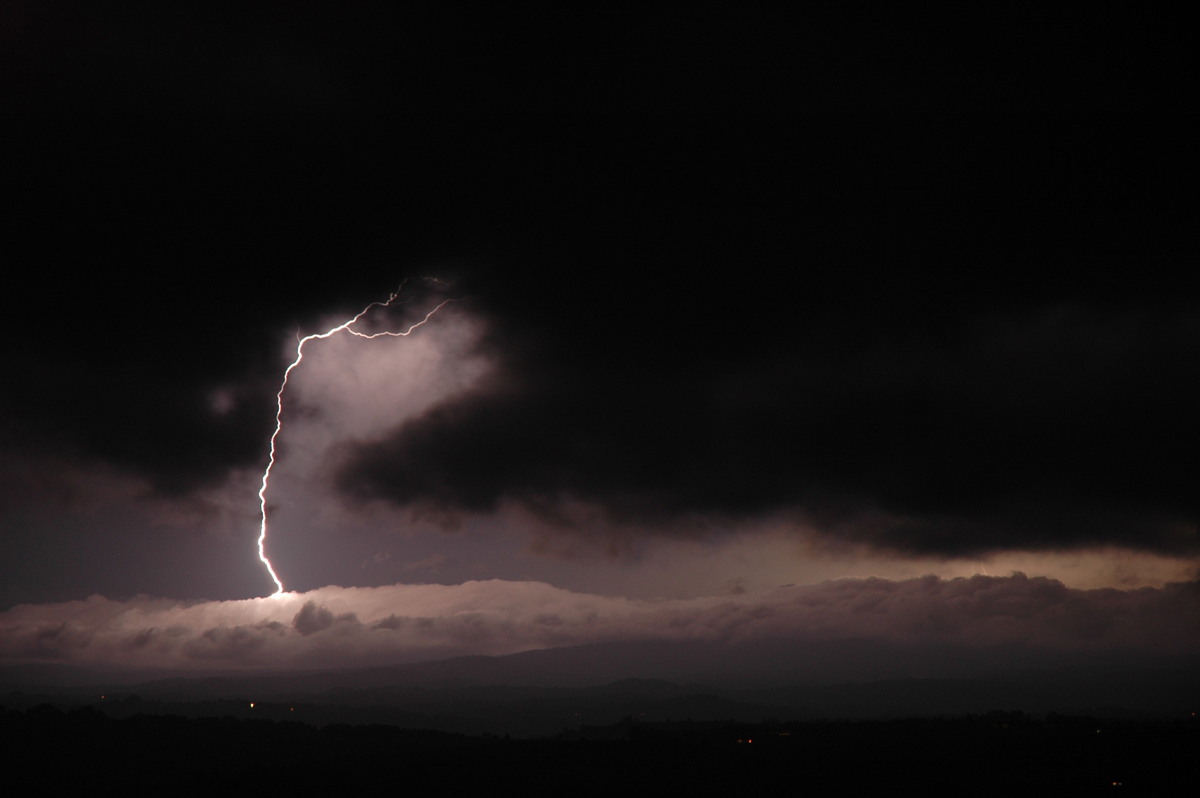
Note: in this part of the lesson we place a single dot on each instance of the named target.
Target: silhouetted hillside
(541, 693)
(993, 754)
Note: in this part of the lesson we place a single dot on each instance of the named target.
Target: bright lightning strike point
(346, 326)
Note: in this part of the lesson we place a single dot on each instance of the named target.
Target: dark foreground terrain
(555, 723)
(997, 753)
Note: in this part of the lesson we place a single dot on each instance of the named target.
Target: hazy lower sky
(692, 359)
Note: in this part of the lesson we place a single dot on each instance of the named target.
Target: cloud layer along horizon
(351, 627)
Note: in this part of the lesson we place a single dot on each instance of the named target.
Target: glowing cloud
(348, 327)
(336, 626)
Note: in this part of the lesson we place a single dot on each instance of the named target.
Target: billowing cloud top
(343, 627)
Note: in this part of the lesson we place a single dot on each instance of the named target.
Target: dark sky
(920, 287)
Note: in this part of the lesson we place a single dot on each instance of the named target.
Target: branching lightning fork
(346, 326)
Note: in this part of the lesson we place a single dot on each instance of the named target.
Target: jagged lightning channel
(346, 326)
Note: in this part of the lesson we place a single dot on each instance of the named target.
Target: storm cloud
(1039, 427)
(904, 340)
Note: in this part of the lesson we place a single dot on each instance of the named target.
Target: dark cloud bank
(935, 381)
(949, 339)
(942, 327)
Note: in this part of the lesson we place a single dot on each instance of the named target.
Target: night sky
(779, 328)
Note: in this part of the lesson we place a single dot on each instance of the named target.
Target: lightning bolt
(346, 326)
